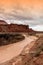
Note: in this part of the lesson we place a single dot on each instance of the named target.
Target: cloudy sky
(23, 12)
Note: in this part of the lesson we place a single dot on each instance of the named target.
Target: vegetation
(6, 39)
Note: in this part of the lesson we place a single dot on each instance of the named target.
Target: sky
(29, 12)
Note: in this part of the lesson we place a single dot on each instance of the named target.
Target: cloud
(22, 12)
(37, 28)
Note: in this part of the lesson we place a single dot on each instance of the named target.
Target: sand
(13, 50)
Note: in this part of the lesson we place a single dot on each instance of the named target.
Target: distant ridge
(6, 28)
(2, 22)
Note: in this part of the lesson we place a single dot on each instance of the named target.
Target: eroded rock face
(13, 28)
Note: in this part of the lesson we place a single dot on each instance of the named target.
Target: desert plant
(10, 38)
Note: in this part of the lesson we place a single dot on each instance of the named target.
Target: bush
(6, 39)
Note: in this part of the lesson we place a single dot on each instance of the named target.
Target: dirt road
(13, 50)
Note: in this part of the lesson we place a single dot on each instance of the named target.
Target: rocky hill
(2, 22)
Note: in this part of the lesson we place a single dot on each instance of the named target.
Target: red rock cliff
(4, 27)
